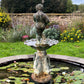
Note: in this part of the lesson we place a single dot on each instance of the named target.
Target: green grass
(11, 49)
(62, 48)
(66, 48)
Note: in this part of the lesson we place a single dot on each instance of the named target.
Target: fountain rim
(68, 59)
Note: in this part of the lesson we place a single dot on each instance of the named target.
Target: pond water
(20, 73)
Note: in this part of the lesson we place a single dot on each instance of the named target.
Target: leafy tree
(69, 6)
(75, 7)
(81, 8)
(18, 6)
(63, 6)
(50, 6)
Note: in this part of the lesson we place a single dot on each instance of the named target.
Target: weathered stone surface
(58, 57)
(49, 42)
(43, 79)
(13, 58)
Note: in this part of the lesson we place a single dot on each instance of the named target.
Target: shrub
(81, 26)
(4, 19)
(71, 35)
(52, 24)
(51, 33)
(17, 33)
(33, 31)
(14, 35)
(3, 35)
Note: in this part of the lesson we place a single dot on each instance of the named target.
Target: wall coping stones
(64, 58)
(68, 58)
(49, 14)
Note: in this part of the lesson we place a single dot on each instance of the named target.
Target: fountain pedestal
(41, 60)
(41, 65)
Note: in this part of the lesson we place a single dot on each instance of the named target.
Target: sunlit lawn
(62, 48)
(70, 49)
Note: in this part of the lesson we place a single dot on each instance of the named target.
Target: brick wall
(27, 18)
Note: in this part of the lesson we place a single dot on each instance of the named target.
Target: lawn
(67, 48)
(62, 48)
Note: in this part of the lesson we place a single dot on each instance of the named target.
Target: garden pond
(20, 72)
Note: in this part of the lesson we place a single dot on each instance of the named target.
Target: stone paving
(58, 57)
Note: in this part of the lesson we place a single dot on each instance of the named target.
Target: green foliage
(3, 35)
(51, 33)
(15, 34)
(33, 32)
(81, 8)
(52, 30)
(67, 48)
(11, 49)
(17, 74)
(51, 6)
(75, 8)
(50, 25)
(21, 74)
(56, 7)
(71, 35)
(20, 6)
(75, 77)
(69, 6)
(81, 26)
(62, 48)
(4, 19)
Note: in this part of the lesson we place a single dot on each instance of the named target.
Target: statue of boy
(41, 20)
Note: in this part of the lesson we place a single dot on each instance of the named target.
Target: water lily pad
(3, 80)
(25, 75)
(58, 79)
(52, 66)
(22, 63)
(3, 67)
(81, 77)
(64, 68)
(18, 80)
(11, 77)
(29, 63)
(10, 65)
(15, 69)
(55, 69)
(77, 82)
(77, 72)
(71, 77)
(30, 70)
(31, 83)
(51, 73)
(24, 69)
(68, 77)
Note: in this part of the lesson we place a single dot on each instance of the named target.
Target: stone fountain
(41, 44)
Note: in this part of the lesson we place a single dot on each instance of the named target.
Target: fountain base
(41, 79)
